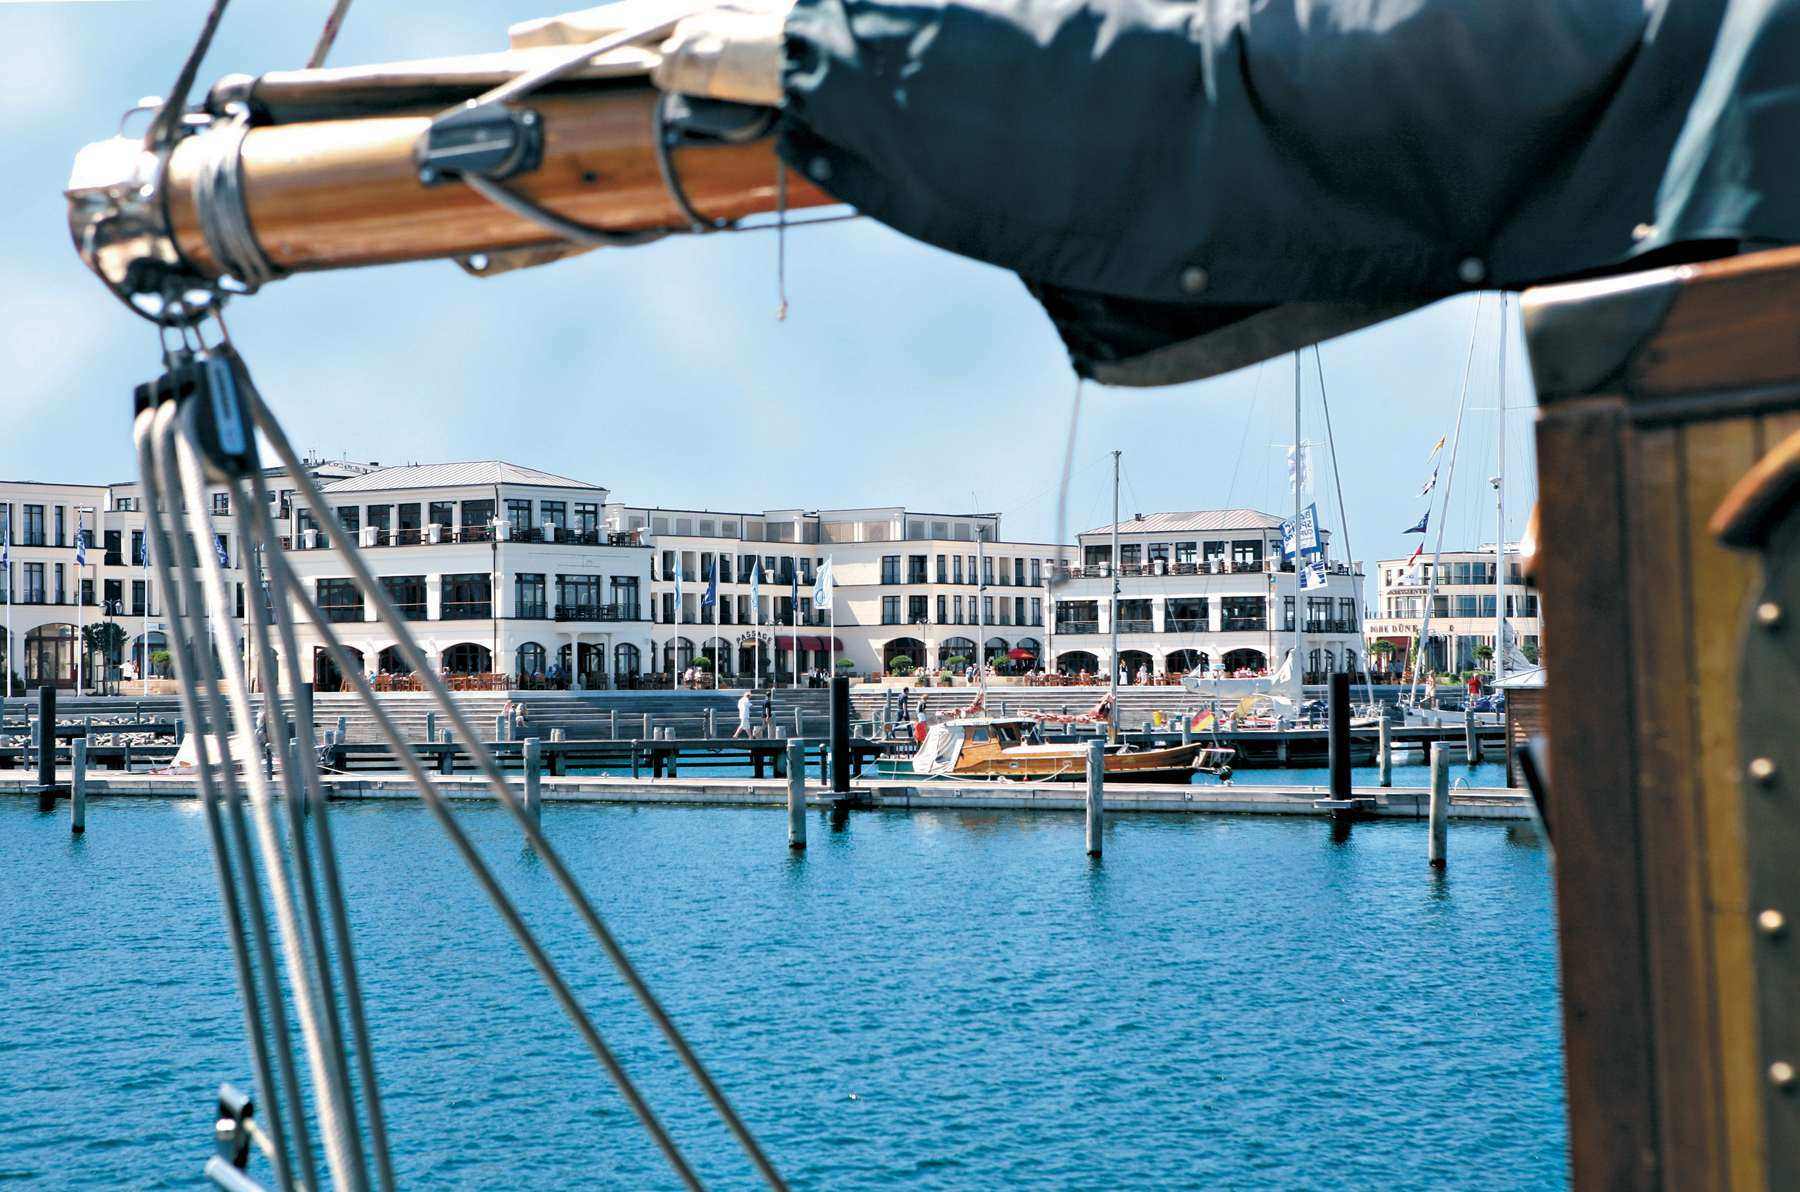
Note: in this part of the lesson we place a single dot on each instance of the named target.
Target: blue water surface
(922, 1000)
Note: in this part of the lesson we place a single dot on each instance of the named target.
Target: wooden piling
(500, 727)
(46, 743)
(1471, 742)
(431, 726)
(799, 722)
(712, 725)
(840, 735)
(1440, 806)
(796, 805)
(447, 757)
(1384, 754)
(1338, 735)
(1096, 794)
(78, 755)
(534, 767)
(612, 723)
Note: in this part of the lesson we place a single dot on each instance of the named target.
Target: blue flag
(677, 587)
(1420, 528)
(219, 551)
(711, 595)
(81, 542)
(794, 595)
(5, 541)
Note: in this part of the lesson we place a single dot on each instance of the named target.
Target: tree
(1531, 652)
(1484, 655)
(900, 665)
(105, 638)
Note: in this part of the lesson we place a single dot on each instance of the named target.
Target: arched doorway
(1077, 662)
(628, 664)
(532, 660)
(754, 649)
(956, 647)
(1185, 662)
(677, 655)
(468, 658)
(326, 675)
(909, 648)
(392, 662)
(589, 669)
(996, 649)
(144, 655)
(1136, 662)
(50, 655)
(1253, 661)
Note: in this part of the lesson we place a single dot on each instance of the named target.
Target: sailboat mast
(1112, 714)
(980, 614)
(1500, 517)
(1299, 463)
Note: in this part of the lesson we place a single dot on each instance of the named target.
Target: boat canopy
(1191, 188)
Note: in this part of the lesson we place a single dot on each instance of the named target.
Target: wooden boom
(332, 194)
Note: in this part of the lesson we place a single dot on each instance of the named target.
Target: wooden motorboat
(1013, 747)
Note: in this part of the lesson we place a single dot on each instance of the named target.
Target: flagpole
(1437, 552)
(794, 617)
(144, 642)
(80, 615)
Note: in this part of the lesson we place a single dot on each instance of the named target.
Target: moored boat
(1013, 747)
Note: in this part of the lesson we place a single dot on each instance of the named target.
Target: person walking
(743, 725)
(768, 712)
(905, 704)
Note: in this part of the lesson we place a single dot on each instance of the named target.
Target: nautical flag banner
(1435, 448)
(1309, 530)
(1430, 483)
(678, 587)
(1299, 461)
(219, 552)
(1287, 538)
(81, 542)
(1414, 563)
(822, 585)
(711, 595)
(1312, 576)
(756, 591)
(6, 540)
(1423, 519)
(794, 589)
(1204, 721)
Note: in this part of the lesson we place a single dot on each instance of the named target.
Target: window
(221, 504)
(1037, 611)
(468, 597)
(1212, 552)
(240, 600)
(943, 607)
(34, 526)
(1186, 614)
(957, 570)
(114, 594)
(1018, 610)
(577, 594)
(408, 592)
(1131, 553)
(625, 596)
(339, 600)
(1247, 555)
(379, 517)
(1019, 572)
(943, 569)
(959, 612)
(1159, 553)
(477, 520)
(138, 608)
(1037, 575)
(987, 572)
(1242, 613)
(1135, 616)
(1347, 615)
(890, 570)
(528, 595)
(406, 528)
(518, 519)
(587, 517)
(916, 610)
(111, 544)
(1187, 553)
(1287, 612)
(61, 512)
(350, 517)
(443, 513)
(1318, 614)
(915, 569)
(1078, 616)
(554, 513)
(137, 549)
(890, 610)
(61, 591)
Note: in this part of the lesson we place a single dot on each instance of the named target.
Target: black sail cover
(1190, 187)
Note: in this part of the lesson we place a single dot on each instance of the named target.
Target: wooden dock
(1216, 798)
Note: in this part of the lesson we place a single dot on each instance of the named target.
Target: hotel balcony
(370, 537)
(598, 612)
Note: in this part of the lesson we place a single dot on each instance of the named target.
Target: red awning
(785, 641)
(812, 643)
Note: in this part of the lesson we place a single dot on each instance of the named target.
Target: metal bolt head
(1782, 1075)
(818, 169)
(1194, 279)
(1472, 271)
(1768, 614)
(1762, 770)
(428, 176)
(1772, 923)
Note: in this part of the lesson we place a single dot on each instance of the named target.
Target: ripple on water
(925, 1000)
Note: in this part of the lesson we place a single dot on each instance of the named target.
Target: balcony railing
(1186, 624)
(1137, 625)
(1330, 626)
(1244, 624)
(466, 610)
(341, 613)
(1066, 626)
(598, 612)
(454, 535)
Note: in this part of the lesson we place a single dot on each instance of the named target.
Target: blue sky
(903, 375)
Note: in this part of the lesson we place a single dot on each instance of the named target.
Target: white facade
(904, 585)
(1207, 589)
(503, 572)
(1462, 616)
(47, 597)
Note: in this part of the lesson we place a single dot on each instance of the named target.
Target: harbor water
(921, 1000)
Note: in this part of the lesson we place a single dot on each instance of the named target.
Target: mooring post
(500, 727)
(447, 756)
(46, 743)
(431, 726)
(1096, 794)
(646, 732)
(556, 734)
(799, 724)
(796, 776)
(712, 724)
(612, 723)
(1384, 757)
(840, 735)
(78, 750)
(343, 729)
(1440, 805)
(534, 772)
(1187, 729)
(1338, 743)
(1471, 739)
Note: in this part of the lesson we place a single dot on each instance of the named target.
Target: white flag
(1299, 460)
(1312, 576)
(756, 593)
(821, 597)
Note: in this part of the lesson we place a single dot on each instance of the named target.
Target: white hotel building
(1462, 613)
(521, 577)
(1208, 589)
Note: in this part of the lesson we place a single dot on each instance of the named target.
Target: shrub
(901, 665)
(956, 662)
